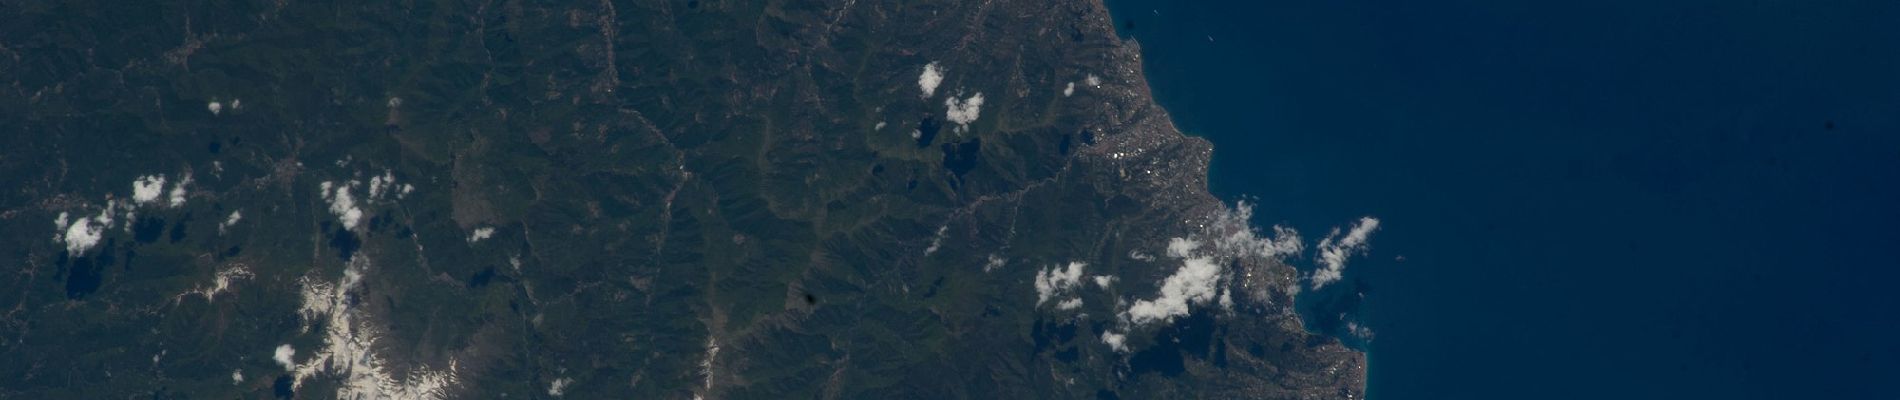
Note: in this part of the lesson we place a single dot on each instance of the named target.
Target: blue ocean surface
(1611, 199)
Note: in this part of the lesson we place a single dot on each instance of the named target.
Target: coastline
(1209, 200)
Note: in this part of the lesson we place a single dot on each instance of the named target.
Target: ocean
(1580, 200)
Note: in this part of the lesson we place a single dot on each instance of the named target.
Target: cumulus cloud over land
(1233, 234)
(82, 235)
(147, 188)
(177, 196)
(1070, 304)
(1116, 341)
(1211, 266)
(1052, 282)
(342, 204)
(236, 215)
(283, 356)
(481, 233)
(1196, 282)
(965, 111)
(928, 81)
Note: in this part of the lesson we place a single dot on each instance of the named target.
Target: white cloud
(237, 376)
(1232, 234)
(147, 188)
(559, 386)
(929, 80)
(1094, 81)
(214, 107)
(1182, 247)
(1286, 241)
(1070, 304)
(1359, 331)
(481, 233)
(105, 215)
(1104, 281)
(1334, 250)
(178, 192)
(342, 204)
(994, 262)
(376, 184)
(236, 215)
(1116, 341)
(379, 186)
(285, 356)
(1068, 90)
(1195, 282)
(84, 233)
(965, 111)
(1050, 282)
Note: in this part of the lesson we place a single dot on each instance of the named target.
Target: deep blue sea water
(1626, 199)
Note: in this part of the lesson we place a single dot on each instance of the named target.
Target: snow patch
(219, 283)
(706, 364)
(350, 344)
(937, 241)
